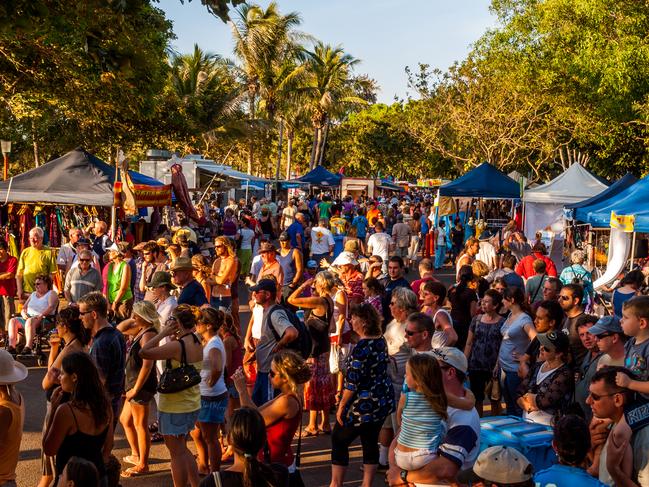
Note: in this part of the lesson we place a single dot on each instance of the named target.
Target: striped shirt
(421, 427)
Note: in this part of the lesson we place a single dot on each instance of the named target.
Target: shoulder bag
(180, 378)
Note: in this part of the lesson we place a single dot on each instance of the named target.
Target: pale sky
(386, 35)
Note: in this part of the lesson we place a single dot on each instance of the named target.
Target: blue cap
(606, 324)
(265, 285)
(311, 264)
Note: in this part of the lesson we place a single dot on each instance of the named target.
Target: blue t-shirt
(293, 231)
(424, 224)
(558, 475)
(360, 222)
(193, 294)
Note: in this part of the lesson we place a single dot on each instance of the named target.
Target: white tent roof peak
(575, 184)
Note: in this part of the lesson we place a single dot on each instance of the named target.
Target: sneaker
(11, 350)
(26, 351)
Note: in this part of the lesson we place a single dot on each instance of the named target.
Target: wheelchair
(41, 344)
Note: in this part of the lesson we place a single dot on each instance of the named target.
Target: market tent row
(76, 178)
(319, 176)
(544, 204)
(484, 181)
(634, 200)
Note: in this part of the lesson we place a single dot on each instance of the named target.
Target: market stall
(319, 176)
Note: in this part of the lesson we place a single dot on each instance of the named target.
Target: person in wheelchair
(38, 311)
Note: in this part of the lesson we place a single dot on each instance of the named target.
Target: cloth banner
(626, 223)
(141, 195)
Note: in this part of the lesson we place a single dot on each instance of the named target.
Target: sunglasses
(565, 298)
(84, 260)
(411, 333)
(597, 397)
(83, 313)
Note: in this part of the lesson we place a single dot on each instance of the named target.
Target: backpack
(303, 344)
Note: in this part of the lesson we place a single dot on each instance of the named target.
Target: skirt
(319, 390)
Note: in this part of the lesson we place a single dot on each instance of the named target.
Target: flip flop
(131, 472)
(308, 433)
(132, 459)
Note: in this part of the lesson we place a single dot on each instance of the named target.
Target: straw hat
(182, 264)
(146, 310)
(10, 370)
(161, 279)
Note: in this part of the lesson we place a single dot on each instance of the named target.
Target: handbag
(180, 378)
(334, 358)
(217, 479)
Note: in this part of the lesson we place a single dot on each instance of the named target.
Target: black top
(319, 329)
(235, 479)
(83, 445)
(193, 294)
(134, 365)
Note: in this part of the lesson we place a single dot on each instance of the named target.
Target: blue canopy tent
(485, 181)
(630, 201)
(319, 176)
(583, 207)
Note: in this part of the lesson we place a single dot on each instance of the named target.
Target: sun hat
(345, 258)
(161, 279)
(146, 310)
(266, 247)
(606, 324)
(10, 370)
(182, 264)
(451, 356)
(351, 246)
(501, 464)
(163, 242)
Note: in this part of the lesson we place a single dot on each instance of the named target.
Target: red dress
(279, 437)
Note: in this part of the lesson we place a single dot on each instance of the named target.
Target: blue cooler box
(532, 439)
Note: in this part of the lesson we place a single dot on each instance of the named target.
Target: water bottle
(300, 315)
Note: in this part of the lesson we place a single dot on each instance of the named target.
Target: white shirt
(66, 256)
(487, 254)
(288, 215)
(219, 387)
(379, 243)
(321, 240)
(257, 321)
(246, 238)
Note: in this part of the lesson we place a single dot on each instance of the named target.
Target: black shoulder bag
(180, 378)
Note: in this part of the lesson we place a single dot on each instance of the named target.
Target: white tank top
(37, 305)
(439, 337)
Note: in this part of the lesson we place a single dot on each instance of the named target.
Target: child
(421, 413)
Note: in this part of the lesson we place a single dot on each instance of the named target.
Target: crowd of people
(365, 339)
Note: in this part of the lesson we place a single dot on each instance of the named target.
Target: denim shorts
(213, 409)
(177, 424)
(233, 392)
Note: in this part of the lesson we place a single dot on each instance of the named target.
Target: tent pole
(113, 210)
(247, 186)
(631, 257)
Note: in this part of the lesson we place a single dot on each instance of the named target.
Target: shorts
(413, 460)
(234, 394)
(177, 424)
(143, 398)
(213, 409)
(401, 252)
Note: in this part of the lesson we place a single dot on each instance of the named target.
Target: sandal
(306, 433)
(324, 432)
(132, 459)
(133, 472)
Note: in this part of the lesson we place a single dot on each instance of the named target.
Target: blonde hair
(326, 280)
(226, 242)
(293, 368)
(479, 268)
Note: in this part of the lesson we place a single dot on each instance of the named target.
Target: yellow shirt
(34, 262)
(185, 401)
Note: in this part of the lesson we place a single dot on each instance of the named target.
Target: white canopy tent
(543, 205)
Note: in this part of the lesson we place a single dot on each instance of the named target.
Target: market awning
(228, 173)
(484, 181)
(77, 178)
(319, 176)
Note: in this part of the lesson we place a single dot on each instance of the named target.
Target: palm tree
(331, 89)
(262, 40)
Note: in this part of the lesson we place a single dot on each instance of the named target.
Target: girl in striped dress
(421, 413)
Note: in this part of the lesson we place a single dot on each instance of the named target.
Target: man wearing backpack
(277, 332)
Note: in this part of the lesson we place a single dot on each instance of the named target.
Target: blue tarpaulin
(631, 201)
(319, 176)
(485, 181)
(594, 202)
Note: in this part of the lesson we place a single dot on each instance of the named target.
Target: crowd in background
(349, 322)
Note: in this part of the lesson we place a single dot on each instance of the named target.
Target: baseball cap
(312, 264)
(606, 324)
(451, 356)
(555, 341)
(265, 285)
(501, 464)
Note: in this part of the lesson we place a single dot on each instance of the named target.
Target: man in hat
(264, 294)
(162, 286)
(461, 445)
(82, 279)
(154, 260)
(499, 466)
(191, 292)
(487, 252)
(12, 416)
(35, 260)
(610, 341)
(81, 244)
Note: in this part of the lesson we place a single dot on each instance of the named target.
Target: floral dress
(367, 377)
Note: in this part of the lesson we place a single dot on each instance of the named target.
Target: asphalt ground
(316, 451)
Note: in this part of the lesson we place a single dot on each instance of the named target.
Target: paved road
(316, 454)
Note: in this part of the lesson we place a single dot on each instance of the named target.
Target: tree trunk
(36, 158)
(279, 149)
(251, 141)
(314, 147)
(289, 152)
(324, 143)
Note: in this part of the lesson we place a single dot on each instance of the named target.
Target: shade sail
(77, 178)
(633, 200)
(574, 185)
(319, 176)
(485, 181)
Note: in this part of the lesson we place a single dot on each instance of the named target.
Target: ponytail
(256, 473)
